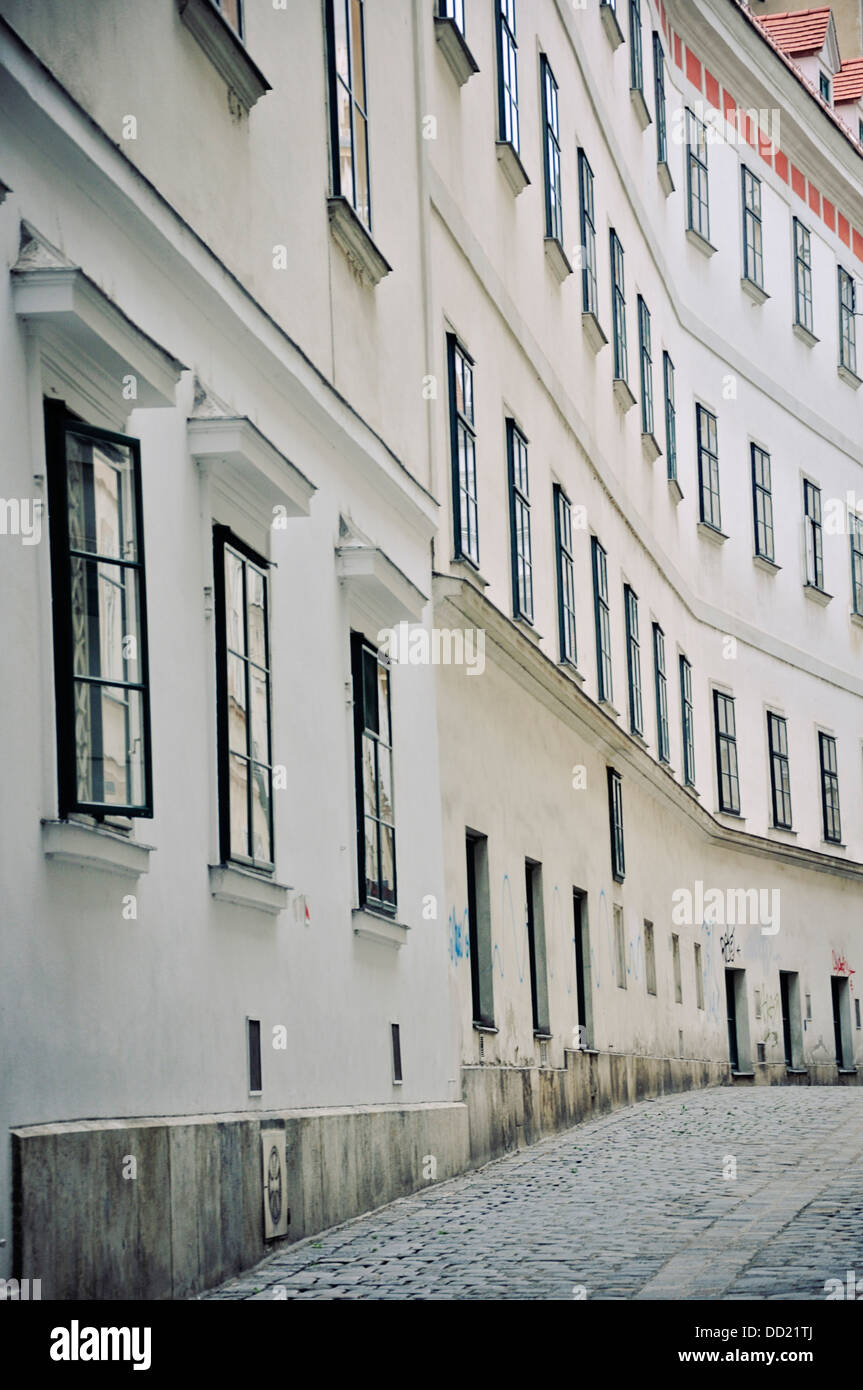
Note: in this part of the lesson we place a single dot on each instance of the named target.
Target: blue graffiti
(459, 936)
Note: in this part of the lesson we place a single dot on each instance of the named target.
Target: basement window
(253, 1032)
(397, 1053)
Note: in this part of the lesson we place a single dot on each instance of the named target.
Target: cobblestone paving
(632, 1205)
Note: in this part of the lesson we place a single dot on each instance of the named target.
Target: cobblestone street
(727, 1193)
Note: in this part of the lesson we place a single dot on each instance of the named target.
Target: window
(373, 752)
(615, 815)
(675, 961)
(649, 958)
(661, 683)
(824, 87)
(454, 10)
(687, 727)
(603, 621)
(814, 542)
(699, 977)
(253, 1044)
(696, 176)
(802, 277)
(232, 10)
(588, 236)
(829, 789)
(633, 660)
(480, 949)
(670, 416)
(753, 260)
(244, 702)
(551, 153)
(646, 367)
(659, 100)
(636, 64)
(856, 523)
(463, 448)
(519, 514)
(536, 946)
(619, 946)
(762, 503)
(780, 776)
(618, 309)
(726, 753)
(708, 468)
(565, 576)
(847, 325)
(396, 1040)
(349, 135)
(507, 74)
(860, 132)
(100, 619)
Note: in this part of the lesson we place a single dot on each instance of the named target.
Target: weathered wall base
(193, 1213)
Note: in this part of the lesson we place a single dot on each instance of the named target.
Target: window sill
(692, 789)
(819, 596)
(711, 533)
(593, 331)
(847, 1071)
(524, 625)
(542, 1035)
(742, 1075)
(834, 846)
(638, 738)
(797, 1071)
(639, 106)
(463, 568)
(93, 847)
(781, 833)
(556, 257)
(375, 926)
(572, 671)
(849, 377)
(485, 1028)
(650, 446)
(676, 491)
(856, 618)
(452, 45)
(704, 246)
(733, 819)
(367, 262)
(609, 708)
(612, 28)
(768, 566)
(804, 335)
(665, 180)
(622, 394)
(225, 50)
(756, 293)
(511, 166)
(231, 883)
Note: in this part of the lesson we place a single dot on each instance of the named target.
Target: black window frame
(831, 819)
(565, 577)
(633, 661)
(645, 358)
(670, 417)
(847, 320)
(636, 52)
(587, 220)
(824, 87)
(814, 537)
(615, 819)
(707, 442)
(659, 99)
(803, 277)
(335, 80)
(364, 654)
(660, 683)
(602, 621)
(551, 152)
(762, 502)
(698, 189)
(753, 235)
(508, 118)
(855, 523)
(687, 724)
(725, 737)
(462, 425)
(519, 512)
(618, 307)
(60, 421)
(224, 539)
(780, 770)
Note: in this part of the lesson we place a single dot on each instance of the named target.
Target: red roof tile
(798, 34)
(848, 82)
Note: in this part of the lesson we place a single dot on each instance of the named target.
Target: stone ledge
(376, 926)
(453, 46)
(93, 847)
(232, 883)
(511, 166)
(225, 50)
(368, 263)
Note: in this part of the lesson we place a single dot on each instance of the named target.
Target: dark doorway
(731, 999)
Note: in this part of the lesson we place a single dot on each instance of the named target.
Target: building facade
(433, 541)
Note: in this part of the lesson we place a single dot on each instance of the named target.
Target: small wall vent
(274, 1175)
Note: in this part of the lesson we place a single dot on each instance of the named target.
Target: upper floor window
(588, 236)
(847, 324)
(633, 661)
(636, 63)
(696, 176)
(762, 502)
(659, 100)
(824, 87)
(507, 74)
(780, 776)
(814, 540)
(602, 615)
(519, 513)
(454, 10)
(244, 702)
(565, 576)
(686, 722)
(831, 822)
(753, 259)
(233, 13)
(802, 277)
(661, 682)
(618, 308)
(349, 135)
(646, 361)
(670, 416)
(615, 817)
(463, 450)
(860, 132)
(100, 619)
(708, 468)
(726, 753)
(551, 153)
(856, 525)
(373, 752)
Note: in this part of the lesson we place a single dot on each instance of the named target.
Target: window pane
(383, 676)
(370, 786)
(388, 861)
(238, 773)
(385, 785)
(109, 745)
(236, 629)
(257, 619)
(238, 736)
(346, 146)
(261, 811)
(260, 716)
(105, 621)
(357, 70)
(361, 154)
(101, 497)
(371, 859)
(340, 26)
